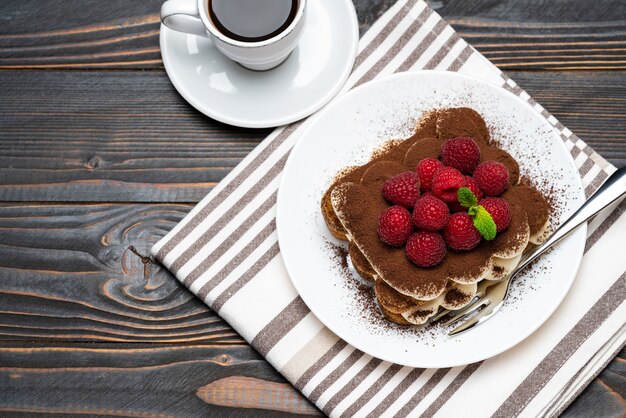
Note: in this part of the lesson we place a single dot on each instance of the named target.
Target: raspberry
(492, 177)
(426, 249)
(394, 226)
(499, 210)
(426, 170)
(456, 207)
(461, 153)
(460, 233)
(430, 213)
(446, 183)
(471, 184)
(403, 189)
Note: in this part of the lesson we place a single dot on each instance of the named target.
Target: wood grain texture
(109, 136)
(542, 34)
(590, 104)
(128, 137)
(144, 380)
(80, 34)
(533, 34)
(72, 275)
(250, 392)
(79, 273)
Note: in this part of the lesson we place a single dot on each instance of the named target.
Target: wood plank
(144, 380)
(127, 136)
(591, 104)
(534, 34)
(109, 136)
(187, 380)
(79, 273)
(543, 34)
(80, 34)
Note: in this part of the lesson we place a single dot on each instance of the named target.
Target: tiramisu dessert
(429, 217)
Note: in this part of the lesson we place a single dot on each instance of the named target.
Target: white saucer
(306, 81)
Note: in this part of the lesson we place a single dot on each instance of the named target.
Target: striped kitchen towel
(226, 251)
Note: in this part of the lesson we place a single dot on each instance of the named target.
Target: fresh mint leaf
(484, 223)
(466, 197)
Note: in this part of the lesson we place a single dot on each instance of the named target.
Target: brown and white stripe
(535, 380)
(226, 251)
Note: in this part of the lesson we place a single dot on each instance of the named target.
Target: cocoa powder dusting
(361, 202)
(454, 297)
(364, 293)
(421, 312)
(366, 309)
(340, 255)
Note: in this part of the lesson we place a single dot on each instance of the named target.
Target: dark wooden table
(100, 157)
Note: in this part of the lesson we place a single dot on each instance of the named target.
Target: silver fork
(491, 296)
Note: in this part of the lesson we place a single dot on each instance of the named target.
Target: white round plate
(345, 134)
(311, 76)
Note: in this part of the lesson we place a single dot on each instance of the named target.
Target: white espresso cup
(192, 16)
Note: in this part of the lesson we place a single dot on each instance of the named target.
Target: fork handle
(612, 189)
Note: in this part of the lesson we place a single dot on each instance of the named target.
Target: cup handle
(183, 16)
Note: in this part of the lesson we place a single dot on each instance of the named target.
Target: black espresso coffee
(252, 20)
